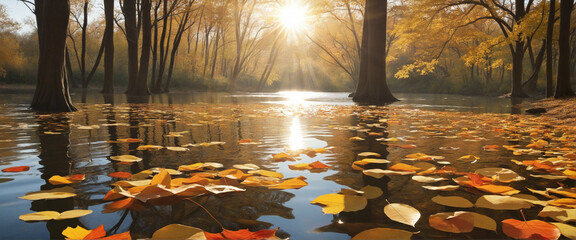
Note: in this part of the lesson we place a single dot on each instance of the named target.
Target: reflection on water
(82, 143)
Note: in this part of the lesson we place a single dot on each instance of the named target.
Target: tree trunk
(181, 28)
(51, 93)
(108, 86)
(372, 87)
(518, 70)
(563, 88)
(129, 10)
(158, 84)
(83, 53)
(530, 84)
(141, 87)
(70, 74)
(549, 39)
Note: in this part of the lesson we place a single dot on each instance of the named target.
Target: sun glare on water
(293, 16)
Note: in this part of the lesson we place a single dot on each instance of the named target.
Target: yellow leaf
(162, 178)
(402, 213)
(267, 173)
(192, 167)
(497, 189)
(59, 180)
(403, 167)
(76, 233)
(292, 183)
(56, 193)
(126, 158)
(149, 147)
(452, 201)
(371, 160)
(39, 216)
(334, 203)
(177, 231)
(568, 231)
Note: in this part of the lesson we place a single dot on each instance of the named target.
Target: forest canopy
(450, 46)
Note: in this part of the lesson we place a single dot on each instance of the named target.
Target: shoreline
(564, 110)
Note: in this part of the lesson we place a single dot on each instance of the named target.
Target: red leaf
(119, 236)
(77, 177)
(16, 169)
(96, 233)
(241, 234)
(120, 174)
(533, 229)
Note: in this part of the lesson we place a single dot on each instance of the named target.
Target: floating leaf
(379, 173)
(382, 233)
(454, 222)
(120, 175)
(497, 189)
(370, 160)
(267, 173)
(60, 180)
(402, 213)
(16, 169)
(500, 174)
(549, 177)
(177, 149)
(292, 183)
(403, 167)
(126, 158)
(563, 202)
(453, 201)
(533, 229)
(334, 203)
(558, 214)
(571, 193)
(442, 188)
(424, 179)
(178, 231)
(502, 202)
(75, 233)
(56, 193)
(371, 192)
(368, 154)
(242, 234)
(53, 215)
(97, 233)
(247, 166)
(469, 158)
(356, 139)
(149, 147)
(568, 231)
(484, 222)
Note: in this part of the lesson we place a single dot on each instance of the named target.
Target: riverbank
(562, 109)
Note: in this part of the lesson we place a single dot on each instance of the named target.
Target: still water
(277, 121)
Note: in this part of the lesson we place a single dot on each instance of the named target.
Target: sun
(293, 16)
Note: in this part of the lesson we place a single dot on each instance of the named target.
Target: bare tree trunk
(52, 93)
(108, 86)
(70, 75)
(549, 40)
(142, 83)
(372, 87)
(563, 88)
(181, 28)
(129, 10)
(83, 53)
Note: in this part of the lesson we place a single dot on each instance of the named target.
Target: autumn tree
(108, 42)
(10, 57)
(52, 93)
(372, 87)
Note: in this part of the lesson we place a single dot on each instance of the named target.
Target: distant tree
(563, 88)
(52, 93)
(549, 41)
(372, 87)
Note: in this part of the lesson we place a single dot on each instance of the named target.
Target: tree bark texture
(372, 87)
(549, 40)
(563, 88)
(52, 93)
(108, 86)
(129, 10)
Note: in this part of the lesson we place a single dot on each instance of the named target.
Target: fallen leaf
(334, 203)
(453, 201)
(382, 233)
(292, 183)
(371, 160)
(242, 234)
(425, 179)
(178, 231)
(533, 229)
(149, 147)
(267, 173)
(402, 213)
(177, 149)
(502, 202)
(120, 175)
(558, 214)
(368, 154)
(403, 167)
(76, 232)
(498, 189)
(60, 180)
(128, 203)
(16, 169)
(484, 222)
(126, 158)
(53, 215)
(356, 139)
(454, 222)
(563, 202)
(56, 193)
(442, 188)
(371, 192)
(97, 233)
(568, 231)
(379, 173)
(247, 166)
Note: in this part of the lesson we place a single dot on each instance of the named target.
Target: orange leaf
(119, 236)
(245, 141)
(162, 178)
(96, 233)
(77, 177)
(16, 169)
(318, 165)
(128, 203)
(563, 202)
(533, 229)
(120, 174)
(497, 189)
(241, 234)
(403, 167)
(455, 222)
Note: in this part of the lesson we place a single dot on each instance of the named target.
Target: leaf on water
(382, 233)
(568, 231)
(502, 202)
(368, 154)
(469, 158)
(97, 233)
(371, 192)
(453, 201)
(549, 177)
(454, 222)
(149, 148)
(53, 215)
(178, 231)
(558, 214)
(356, 139)
(163, 178)
(16, 169)
(282, 157)
(56, 193)
(442, 188)
(563, 202)
(120, 175)
(498, 189)
(76, 233)
(371, 160)
(292, 183)
(533, 229)
(379, 173)
(242, 234)
(334, 203)
(567, 192)
(177, 149)
(542, 193)
(60, 180)
(402, 213)
(170, 171)
(128, 203)
(126, 158)
(247, 166)
(500, 174)
(267, 173)
(425, 179)
(484, 222)
(233, 174)
(403, 167)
